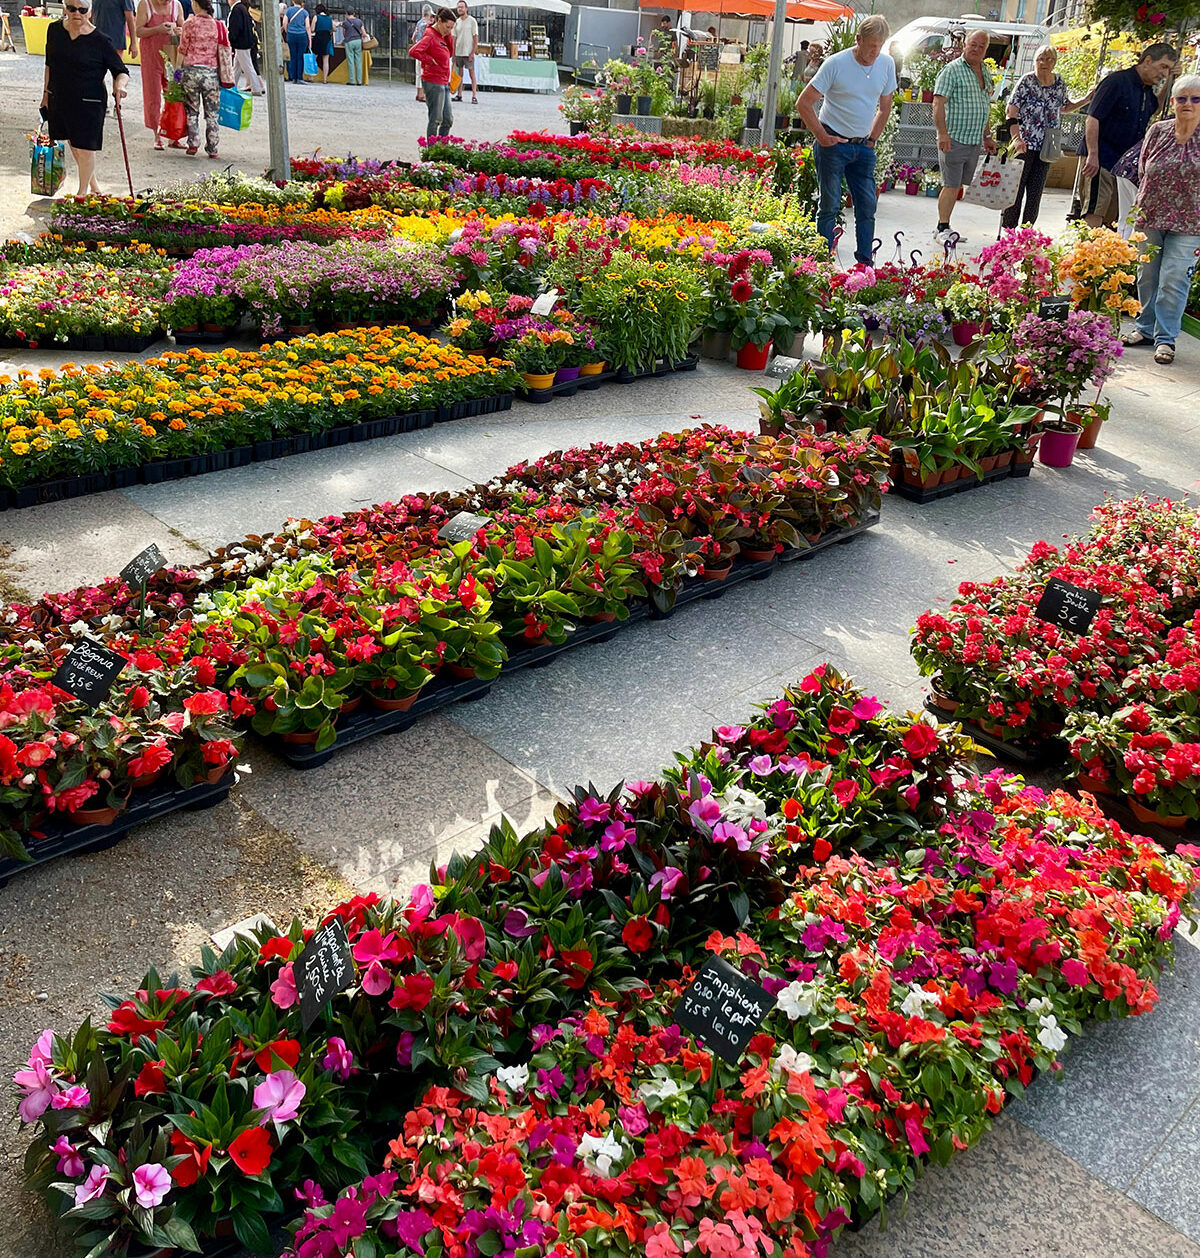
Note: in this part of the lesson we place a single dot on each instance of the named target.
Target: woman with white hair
(74, 101)
(1035, 109)
(1168, 211)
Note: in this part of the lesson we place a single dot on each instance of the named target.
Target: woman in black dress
(77, 58)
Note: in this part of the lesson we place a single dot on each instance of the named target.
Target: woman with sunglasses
(74, 101)
(1168, 211)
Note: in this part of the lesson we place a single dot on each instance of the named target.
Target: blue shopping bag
(310, 63)
(236, 108)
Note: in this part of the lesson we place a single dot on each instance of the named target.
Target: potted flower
(911, 177)
(969, 307)
(933, 182)
(538, 354)
(1091, 419)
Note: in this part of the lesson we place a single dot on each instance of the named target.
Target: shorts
(1099, 195)
(958, 166)
(463, 62)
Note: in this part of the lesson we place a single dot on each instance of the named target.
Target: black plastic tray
(366, 722)
(1040, 753)
(1118, 810)
(961, 486)
(63, 839)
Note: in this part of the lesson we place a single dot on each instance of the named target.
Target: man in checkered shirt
(962, 103)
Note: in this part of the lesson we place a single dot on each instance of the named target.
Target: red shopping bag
(173, 123)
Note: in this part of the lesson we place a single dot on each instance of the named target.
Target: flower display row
(504, 1072)
(1121, 692)
(83, 421)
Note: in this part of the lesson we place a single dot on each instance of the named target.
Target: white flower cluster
(602, 1152)
(789, 1061)
(916, 1000)
(513, 1078)
(797, 1000)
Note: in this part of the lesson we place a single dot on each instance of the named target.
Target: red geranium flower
(251, 1151)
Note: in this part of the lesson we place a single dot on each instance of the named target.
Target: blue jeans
(437, 102)
(856, 164)
(1163, 285)
(297, 47)
(353, 61)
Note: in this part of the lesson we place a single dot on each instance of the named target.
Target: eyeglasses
(70, 8)
(1191, 100)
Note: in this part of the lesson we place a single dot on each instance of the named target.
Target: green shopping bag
(235, 110)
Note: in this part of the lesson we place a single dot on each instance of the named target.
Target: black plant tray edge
(1041, 753)
(39, 493)
(366, 722)
(145, 805)
(960, 486)
(109, 343)
(568, 388)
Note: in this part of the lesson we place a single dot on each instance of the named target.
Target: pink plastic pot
(1058, 448)
(964, 333)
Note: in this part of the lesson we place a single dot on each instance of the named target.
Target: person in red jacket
(435, 51)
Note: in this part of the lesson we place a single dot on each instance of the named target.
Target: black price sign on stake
(323, 969)
(723, 1008)
(1068, 606)
(781, 366)
(142, 567)
(463, 527)
(1054, 308)
(89, 672)
(545, 303)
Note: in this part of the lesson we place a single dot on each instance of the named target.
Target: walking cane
(124, 150)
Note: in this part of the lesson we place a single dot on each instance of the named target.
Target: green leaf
(489, 1243)
(179, 1233)
(249, 1228)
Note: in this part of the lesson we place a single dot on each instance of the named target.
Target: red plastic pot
(753, 357)
(1058, 448)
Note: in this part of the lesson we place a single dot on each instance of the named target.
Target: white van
(1012, 46)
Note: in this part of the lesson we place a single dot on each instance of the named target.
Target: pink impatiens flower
(151, 1183)
(39, 1088)
(283, 989)
(279, 1095)
(93, 1186)
(70, 1163)
(338, 1059)
(75, 1097)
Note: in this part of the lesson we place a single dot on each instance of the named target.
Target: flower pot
(753, 357)
(1085, 782)
(601, 618)
(578, 128)
(781, 123)
(189, 328)
(715, 345)
(1058, 448)
(538, 380)
(566, 374)
(352, 705)
(1090, 434)
(717, 569)
(93, 816)
(912, 187)
(591, 369)
(461, 671)
(757, 554)
(380, 702)
(1151, 818)
(148, 779)
(299, 329)
(942, 701)
(1005, 459)
(964, 332)
(988, 463)
(927, 98)
(921, 482)
(305, 738)
(216, 773)
(624, 104)
(643, 106)
(950, 474)
(753, 116)
(213, 327)
(932, 192)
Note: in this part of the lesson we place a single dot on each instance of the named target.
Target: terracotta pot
(942, 701)
(306, 739)
(988, 462)
(538, 380)
(950, 474)
(213, 327)
(601, 618)
(93, 816)
(757, 554)
(591, 369)
(352, 705)
(924, 482)
(300, 329)
(462, 671)
(1090, 435)
(148, 779)
(1005, 459)
(216, 773)
(189, 327)
(717, 569)
(383, 704)
(1148, 817)
(993, 731)
(1086, 782)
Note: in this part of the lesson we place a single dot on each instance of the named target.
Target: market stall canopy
(541, 6)
(797, 11)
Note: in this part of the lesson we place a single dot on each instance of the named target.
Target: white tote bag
(995, 184)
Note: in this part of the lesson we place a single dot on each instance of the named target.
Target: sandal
(177, 144)
(1164, 354)
(1131, 340)
(474, 100)
(159, 146)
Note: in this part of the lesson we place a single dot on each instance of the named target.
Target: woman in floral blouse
(1037, 105)
(1168, 211)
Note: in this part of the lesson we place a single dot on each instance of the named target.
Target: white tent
(480, 11)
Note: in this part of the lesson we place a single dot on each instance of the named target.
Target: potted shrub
(1091, 419)
(969, 307)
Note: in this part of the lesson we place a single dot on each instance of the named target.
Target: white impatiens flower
(1040, 1005)
(601, 1152)
(658, 1091)
(916, 1000)
(789, 1060)
(513, 1078)
(797, 1000)
(1052, 1036)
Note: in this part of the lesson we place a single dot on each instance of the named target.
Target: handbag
(224, 57)
(47, 163)
(310, 64)
(172, 123)
(369, 42)
(1052, 145)
(235, 109)
(995, 183)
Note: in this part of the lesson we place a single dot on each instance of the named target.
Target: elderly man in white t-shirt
(856, 87)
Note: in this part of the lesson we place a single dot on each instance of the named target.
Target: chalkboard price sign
(89, 672)
(463, 526)
(723, 1008)
(142, 567)
(323, 969)
(780, 367)
(1054, 308)
(1068, 606)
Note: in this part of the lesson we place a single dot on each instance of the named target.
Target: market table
(525, 76)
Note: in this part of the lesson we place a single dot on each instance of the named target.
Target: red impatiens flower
(638, 934)
(251, 1151)
(127, 1021)
(579, 962)
(845, 791)
(222, 983)
(287, 1051)
(920, 740)
(506, 970)
(195, 1163)
(279, 946)
(413, 992)
(150, 1080)
(742, 290)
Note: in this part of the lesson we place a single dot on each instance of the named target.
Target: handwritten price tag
(1068, 606)
(463, 526)
(323, 969)
(89, 672)
(723, 1008)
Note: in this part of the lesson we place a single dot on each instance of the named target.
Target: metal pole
(272, 43)
(773, 73)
